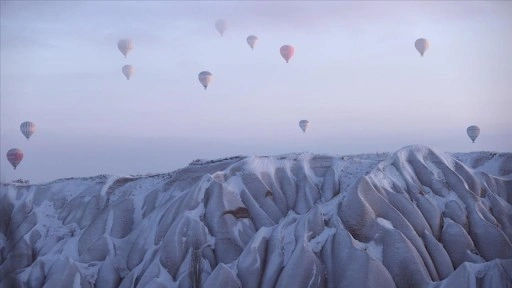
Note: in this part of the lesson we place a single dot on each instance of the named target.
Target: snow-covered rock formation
(414, 218)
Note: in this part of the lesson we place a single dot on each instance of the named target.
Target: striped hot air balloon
(125, 46)
(28, 128)
(14, 156)
(473, 132)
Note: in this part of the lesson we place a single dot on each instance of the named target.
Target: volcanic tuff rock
(414, 218)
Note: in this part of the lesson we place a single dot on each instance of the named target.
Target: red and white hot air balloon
(14, 156)
(287, 52)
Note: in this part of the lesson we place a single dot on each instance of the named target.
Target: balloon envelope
(421, 45)
(28, 128)
(14, 156)
(128, 71)
(251, 40)
(287, 52)
(125, 46)
(221, 26)
(303, 124)
(473, 132)
(205, 77)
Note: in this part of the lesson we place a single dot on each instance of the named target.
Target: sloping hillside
(414, 218)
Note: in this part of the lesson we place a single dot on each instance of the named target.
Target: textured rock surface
(414, 218)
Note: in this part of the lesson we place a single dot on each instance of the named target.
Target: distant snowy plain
(413, 218)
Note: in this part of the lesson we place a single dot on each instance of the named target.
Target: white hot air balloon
(287, 52)
(251, 40)
(14, 156)
(128, 71)
(421, 45)
(303, 124)
(205, 77)
(221, 26)
(473, 132)
(28, 128)
(125, 46)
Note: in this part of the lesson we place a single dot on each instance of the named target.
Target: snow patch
(318, 242)
(140, 232)
(386, 223)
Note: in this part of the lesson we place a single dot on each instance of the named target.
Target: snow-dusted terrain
(414, 218)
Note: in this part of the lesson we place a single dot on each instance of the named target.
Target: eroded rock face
(414, 218)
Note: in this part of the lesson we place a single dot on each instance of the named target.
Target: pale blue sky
(355, 76)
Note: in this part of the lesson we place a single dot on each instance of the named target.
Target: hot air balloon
(128, 71)
(14, 156)
(125, 46)
(303, 124)
(287, 52)
(221, 26)
(473, 132)
(205, 77)
(28, 128)
(251, 40)
(421, 45)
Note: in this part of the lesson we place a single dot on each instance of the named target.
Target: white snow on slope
(414, 218)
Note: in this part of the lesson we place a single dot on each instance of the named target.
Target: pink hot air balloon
(14, 156)
(287, 52)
